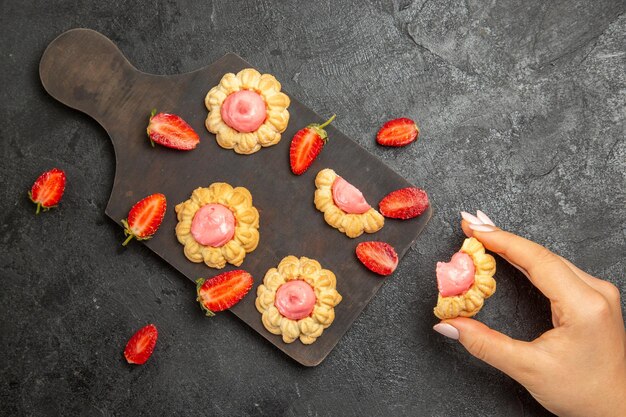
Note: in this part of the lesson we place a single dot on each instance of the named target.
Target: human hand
(579, 367)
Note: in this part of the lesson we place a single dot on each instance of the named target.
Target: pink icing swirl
(244, 111)
(457, 276)
(213, 225)
(295, 300)
(348, 198)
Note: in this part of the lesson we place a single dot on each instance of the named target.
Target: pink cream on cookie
(348, 198)
(295, 300)
(244, 111)
(457, 276)
(213, 225)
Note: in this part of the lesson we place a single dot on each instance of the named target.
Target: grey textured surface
(522, 107)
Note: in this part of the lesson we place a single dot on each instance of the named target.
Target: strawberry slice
(223, 291)
(306, 145)
(171, 131)
(48, 189)
(141, 345)
(398, 132)
(404, 203)
(144, 218)
(378, 257)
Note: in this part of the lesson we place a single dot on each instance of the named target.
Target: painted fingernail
(447, 330)
(484, 218)
(470, 218)
(483, 227)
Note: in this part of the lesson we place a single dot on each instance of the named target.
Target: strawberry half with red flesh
(48, 189)
(306, 145)
(171, 131)
(404, 203)
(144, 218)
(141, 345)
(223, 291)
(398, 132)
(378, 257)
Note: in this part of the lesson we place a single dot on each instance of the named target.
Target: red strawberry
(171, 131)
(306, 144)
(404, 203)
(379, 257)
(145, 218)
(397, 132)
(48, 189)
(140, 346)
(223, 291)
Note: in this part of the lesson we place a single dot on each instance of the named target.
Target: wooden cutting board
(86, 71)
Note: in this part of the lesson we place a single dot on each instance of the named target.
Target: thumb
(544, 269)
(513, 357)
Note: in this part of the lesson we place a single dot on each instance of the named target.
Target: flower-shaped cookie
(298, 299)
(465, 281)
(247, 111)
(344, 207)
(218, 224)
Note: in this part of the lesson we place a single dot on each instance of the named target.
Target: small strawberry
(306, 144)
(404, 203)
(140, 346)
(398, 132)
(48, 189)
(171, 131)
(223, 291)
(144, 218)
(379, 257)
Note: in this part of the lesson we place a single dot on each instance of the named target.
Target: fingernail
(483, 227)
(471, 219)
(484, 218)
(447, 330)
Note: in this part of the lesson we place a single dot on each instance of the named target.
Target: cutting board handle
(85, 70)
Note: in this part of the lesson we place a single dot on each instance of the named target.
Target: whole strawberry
(171, 131)
(306, 145)
(223, 291)
(398, 132)
(48, 189)
(144, 218)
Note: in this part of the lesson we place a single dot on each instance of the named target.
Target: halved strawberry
(378, 257)
(398, 132)
(141, 345)
(404, 203)
(144, 218)
(306, 145)
(48, 189)
(223, 291)
(171, 131)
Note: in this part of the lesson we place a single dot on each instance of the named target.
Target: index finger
(545, 269)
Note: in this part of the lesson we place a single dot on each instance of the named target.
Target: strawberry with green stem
(306, 145)
(171, 131)
(144, 218)
(48, 189)
(223, 291)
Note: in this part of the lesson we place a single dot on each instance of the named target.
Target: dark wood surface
(86, 71)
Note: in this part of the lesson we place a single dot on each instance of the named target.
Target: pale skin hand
(579, 367)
